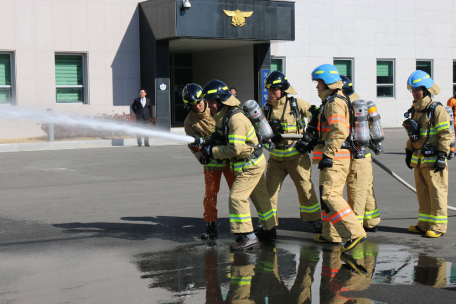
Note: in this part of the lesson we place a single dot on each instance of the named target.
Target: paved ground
(121, 225)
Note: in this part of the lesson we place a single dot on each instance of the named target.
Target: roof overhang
(207, 19)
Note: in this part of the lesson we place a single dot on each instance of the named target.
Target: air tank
(375, 123)
(361, 123)
(263, 127)
(450, 112)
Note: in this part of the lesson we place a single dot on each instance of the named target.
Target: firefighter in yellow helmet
(428, 127)
(286, 115)
(199, 123)
(360, 186)
(334, 160)
(241, 146)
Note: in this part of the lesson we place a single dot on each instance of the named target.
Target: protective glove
(207, 151)
(326, 162)
(195, 147)
(302, 146)
(440, 164)
(204, 160)
(277, 138)
(408, 158)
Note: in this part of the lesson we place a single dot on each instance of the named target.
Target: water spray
(92, 124)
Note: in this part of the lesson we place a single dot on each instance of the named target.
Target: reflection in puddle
(287, 273)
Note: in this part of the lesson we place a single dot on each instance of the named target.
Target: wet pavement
(121, 225)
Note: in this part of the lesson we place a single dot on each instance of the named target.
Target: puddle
(287, 273)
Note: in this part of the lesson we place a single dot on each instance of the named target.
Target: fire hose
(387, 170)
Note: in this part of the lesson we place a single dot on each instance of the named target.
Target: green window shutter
(385, 68)
(454, 72)
(344, 67)
(68, 70)
(276, 65)
(70, 95)
(5, 69)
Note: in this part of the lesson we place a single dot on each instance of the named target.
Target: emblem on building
(238, 17)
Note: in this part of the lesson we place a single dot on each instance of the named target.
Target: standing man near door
(142, 108)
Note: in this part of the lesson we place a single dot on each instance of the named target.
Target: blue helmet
(326, 72)
(419, 79)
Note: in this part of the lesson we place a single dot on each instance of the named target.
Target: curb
(85, 144)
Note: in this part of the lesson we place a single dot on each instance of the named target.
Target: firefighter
(334, 161)
(426, 149)
(199, 123)
(286, 116)
(241, 146)
(452, 103)
(360, 186)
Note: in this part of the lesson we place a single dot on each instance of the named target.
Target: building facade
(91, 57)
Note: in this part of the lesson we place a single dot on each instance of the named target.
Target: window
(278, 64)
(69, 78)
(425, 66)
(454, 76)
(345, 67)
(6, 91)
(385, 78)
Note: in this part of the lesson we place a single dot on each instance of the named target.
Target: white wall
(107, 31)
(233, 66)
(367, 30)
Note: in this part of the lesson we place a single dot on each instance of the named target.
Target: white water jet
(92, 123)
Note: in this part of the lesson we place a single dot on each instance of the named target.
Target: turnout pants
(212, 182)
(250, 183)
(335, 210)
(360, 192)
(299, 170)
(432, 194)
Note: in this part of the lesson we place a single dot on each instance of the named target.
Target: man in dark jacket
(142, 109)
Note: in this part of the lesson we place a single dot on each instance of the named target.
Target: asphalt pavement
(122, 225)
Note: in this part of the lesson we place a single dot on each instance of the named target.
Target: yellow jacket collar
(422, 103)
(232, 101)
(323, 95)
(276, 103)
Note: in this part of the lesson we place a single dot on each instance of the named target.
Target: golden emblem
(238, 17)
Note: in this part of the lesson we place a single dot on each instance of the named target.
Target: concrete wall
(367, 30)
(106, 31)
(233, 66)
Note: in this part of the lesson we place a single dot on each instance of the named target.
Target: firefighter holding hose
(199, 123)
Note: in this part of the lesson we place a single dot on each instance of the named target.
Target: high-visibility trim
(284, 153)
(325, 217)
(438, 219)
(442, 126)
(240, 218)
(211, 91)
(310, 209)
(360, 218)
(199, 93)
(319, 72)
(428, 159)
(371, 214)
(275, 211)
(337, 288)
(329, 272)
(225, 88)
(266, 266)
(277, 81)
(417, 80)
(343, 154)
(415, 159)
(215, 164)
(236, 139)
(266, 216)
(423, 132)
(251, 134)
(368, 155)
(336, 118)
(286, 127)
(322, 127)
(240, 165)
(340, 215)
(241, 280)
(333, 72)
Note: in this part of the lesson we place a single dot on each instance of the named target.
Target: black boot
(317, 226)
(210, 233)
